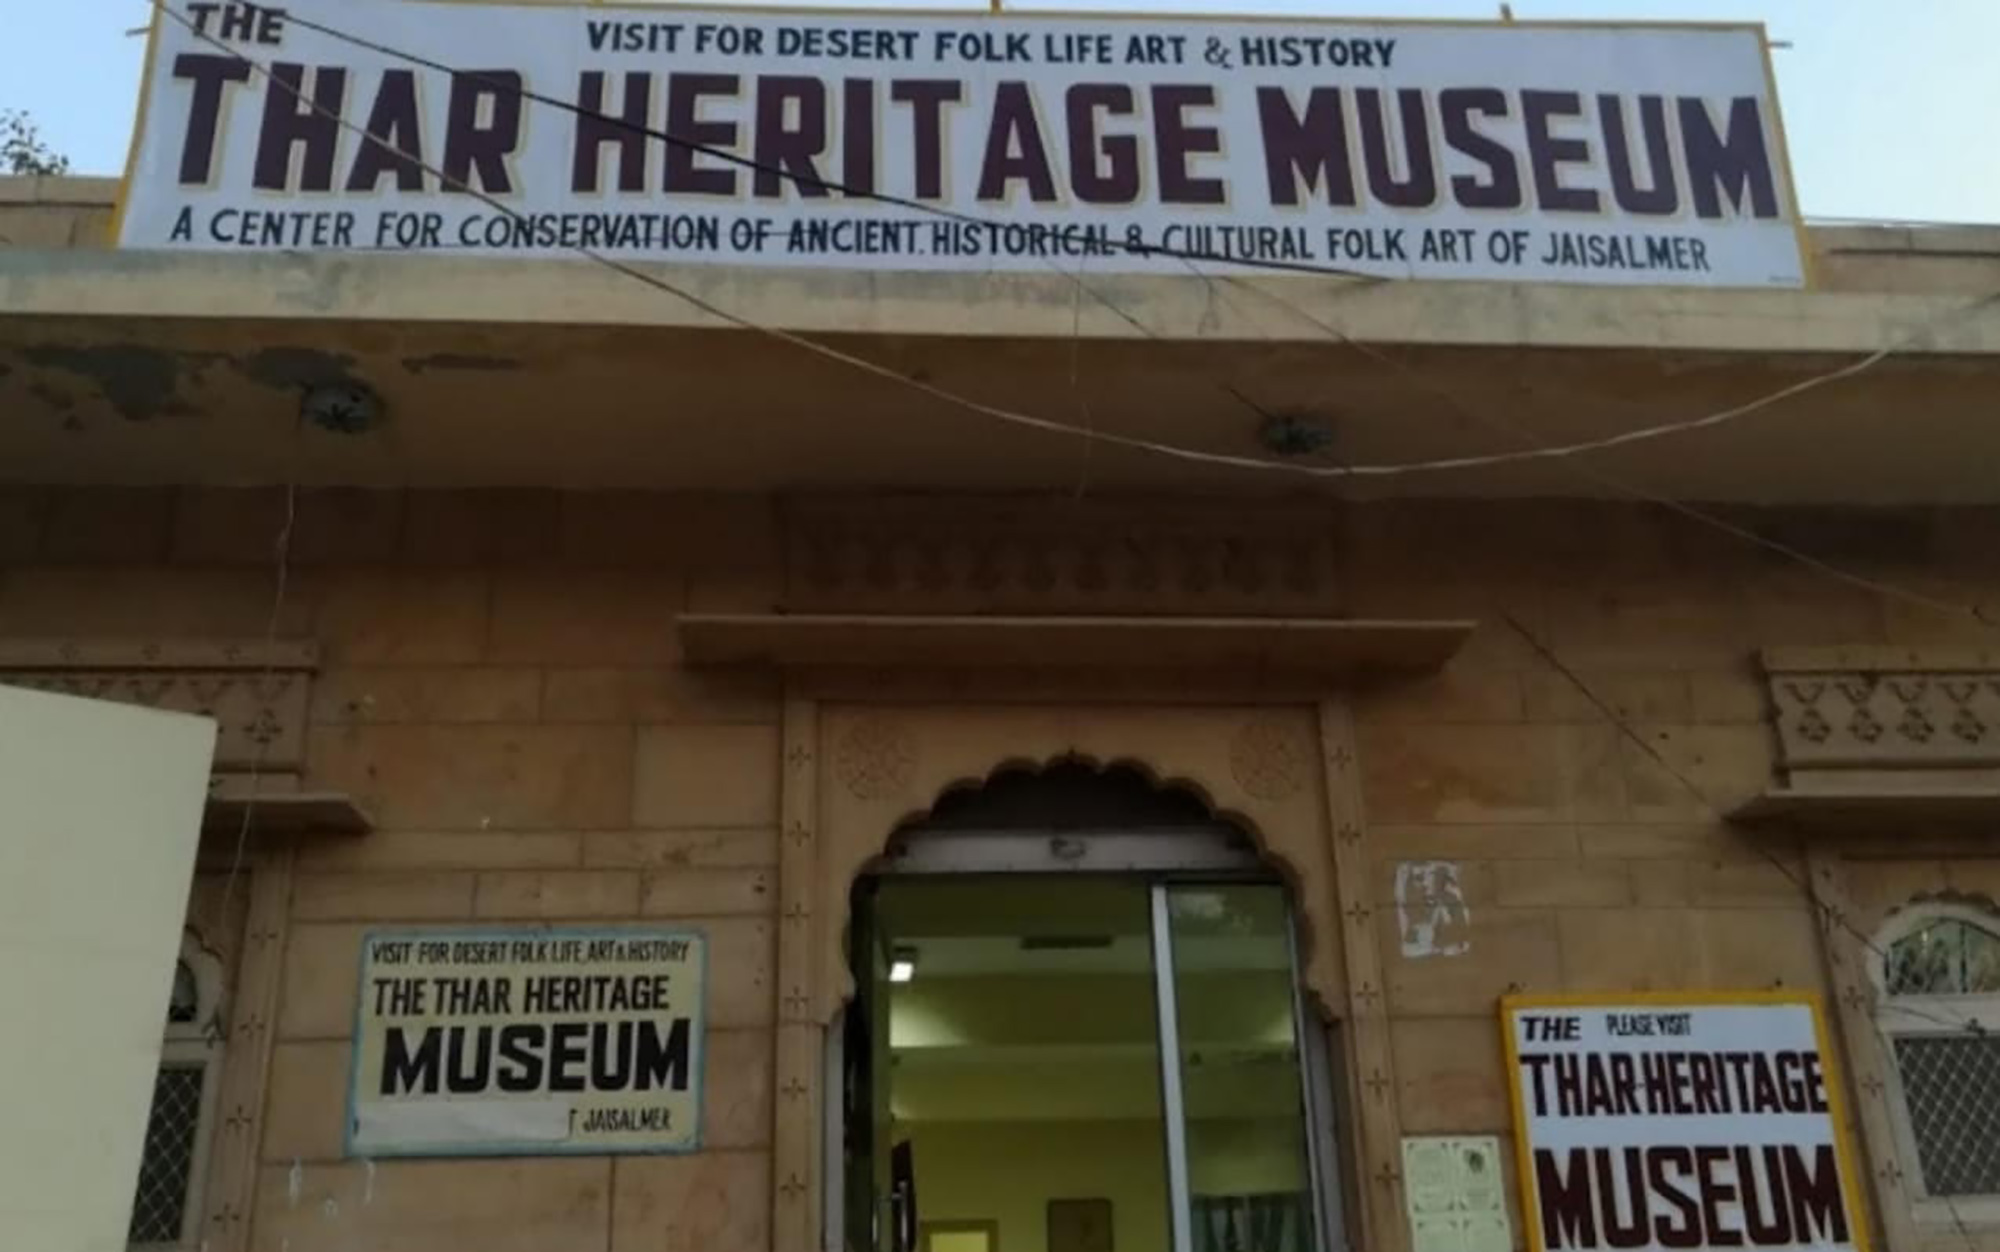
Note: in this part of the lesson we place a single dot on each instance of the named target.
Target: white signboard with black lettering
(1668, 1122)
(1558, 152)
(529, 1041)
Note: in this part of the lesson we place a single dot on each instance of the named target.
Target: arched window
(1939, 1011)
(167, 1201)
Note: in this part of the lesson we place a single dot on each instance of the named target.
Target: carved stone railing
(1839, 710)
(259, 694)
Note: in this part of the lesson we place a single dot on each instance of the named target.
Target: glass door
(1018, 1062)
(1086, 1062)
(1236, 1053)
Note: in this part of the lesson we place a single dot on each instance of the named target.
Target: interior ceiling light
(903, 965)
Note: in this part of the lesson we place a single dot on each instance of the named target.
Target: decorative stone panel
(258, 694)
(1882, 708)
(1058, 556)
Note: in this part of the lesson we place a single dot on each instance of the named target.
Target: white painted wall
(100, 812)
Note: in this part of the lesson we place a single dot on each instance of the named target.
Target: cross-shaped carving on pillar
(250, 1029)
(1366, 998)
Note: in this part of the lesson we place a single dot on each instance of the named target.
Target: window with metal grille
(159, 1208)
(1951, 1085)
(1940, 1013)
(167, 1195)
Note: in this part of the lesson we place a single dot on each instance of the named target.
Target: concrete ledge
(1893, 239)
(100, 284)
(71, 189)
(1922, 809)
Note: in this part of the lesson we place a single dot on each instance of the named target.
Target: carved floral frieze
(1868, 710)
(257, 694)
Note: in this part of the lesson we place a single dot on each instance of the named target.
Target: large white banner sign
(1547, 153)
(1666, 1122)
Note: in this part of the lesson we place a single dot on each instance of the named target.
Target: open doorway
(1077, 1028)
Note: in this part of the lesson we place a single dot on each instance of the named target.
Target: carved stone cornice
(1885, 709)
(259, 694)
(1058, 556)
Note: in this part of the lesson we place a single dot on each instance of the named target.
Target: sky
(1891, 106)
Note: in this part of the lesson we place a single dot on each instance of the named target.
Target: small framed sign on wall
(528, 1042)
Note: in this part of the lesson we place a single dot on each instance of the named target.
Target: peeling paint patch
(1431, 912)
(60, 401)
(292, 369)
(139, 383)
(460, 361)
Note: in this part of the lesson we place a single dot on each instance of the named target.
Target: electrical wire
(1561, 452)
(844, 189)
(1091, 435)
(1047, 425)
(826, 351)
(1330, 471)
(1030, 421)
(1631, 733)
(1825, 913)
(281, 552)
(1623, 486)
(813, 181)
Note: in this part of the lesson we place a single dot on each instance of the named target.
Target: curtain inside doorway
(1252, 1223)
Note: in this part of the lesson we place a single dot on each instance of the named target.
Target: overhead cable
(1051, 425)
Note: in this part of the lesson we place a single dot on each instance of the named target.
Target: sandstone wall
(500, 687)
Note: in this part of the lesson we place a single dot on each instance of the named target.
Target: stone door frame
(853, 770)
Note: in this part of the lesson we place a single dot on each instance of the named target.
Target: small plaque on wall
(529, 1041)
(1455, 1197)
